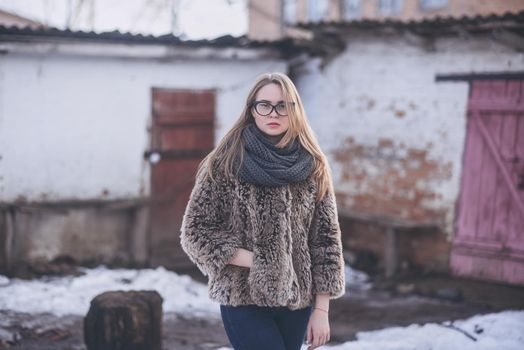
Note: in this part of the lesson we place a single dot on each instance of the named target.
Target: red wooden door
(182, 135)
(489, 237)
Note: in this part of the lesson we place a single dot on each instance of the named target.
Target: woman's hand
(318, 332)
(242, 257)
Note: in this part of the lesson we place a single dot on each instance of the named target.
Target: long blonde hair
(231, 145)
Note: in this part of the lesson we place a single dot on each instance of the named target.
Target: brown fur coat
(296, 242)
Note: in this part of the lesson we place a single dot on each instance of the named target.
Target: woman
(262, 223)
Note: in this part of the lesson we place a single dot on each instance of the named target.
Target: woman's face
(272, 124)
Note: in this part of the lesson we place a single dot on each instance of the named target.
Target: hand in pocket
(242, 257)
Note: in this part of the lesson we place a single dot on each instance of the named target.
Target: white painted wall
(358, 93)
(72, 127)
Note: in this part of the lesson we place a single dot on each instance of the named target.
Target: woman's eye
(281, 106)
(263, 105)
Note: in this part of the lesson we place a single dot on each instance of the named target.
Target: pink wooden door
(489, 238)
(182, 134)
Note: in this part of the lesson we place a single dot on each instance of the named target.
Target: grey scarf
(267, 165)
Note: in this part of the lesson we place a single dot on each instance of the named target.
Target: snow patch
(357, 280)
(503, 330)
(72, 295)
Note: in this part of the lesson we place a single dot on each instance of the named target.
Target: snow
(72, 295)
(357, 280)
(497, 331)
(503, 330)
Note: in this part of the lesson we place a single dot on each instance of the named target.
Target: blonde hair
(231, 145)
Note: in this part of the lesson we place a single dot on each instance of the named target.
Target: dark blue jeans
(252, 327)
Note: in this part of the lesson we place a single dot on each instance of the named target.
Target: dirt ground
(396, 302)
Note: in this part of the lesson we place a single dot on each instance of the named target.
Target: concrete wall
(73, 132)
(76, 128)
(393, 135)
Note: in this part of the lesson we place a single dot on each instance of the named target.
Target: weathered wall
(73, 132)
(76, 128)
(393, 135)
(88, 234)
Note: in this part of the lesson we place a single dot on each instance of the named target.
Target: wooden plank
(183, 133)
(503, 199)
(469, 187)
(462, 210)
(488, 189)
(171, 107)
(508, 180)
(494, 154)
(472, 181)
(515, 235)
(473, 244)
(514, 91)
(478, 91)
(196, 138)
(497, 90)
(496, 95)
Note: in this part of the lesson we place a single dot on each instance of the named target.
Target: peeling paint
(400, 114)
(400, 108)
(391, 180)
(365, 103)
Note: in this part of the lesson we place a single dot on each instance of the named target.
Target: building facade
(100, 136)
(273, 19)
(423, 125)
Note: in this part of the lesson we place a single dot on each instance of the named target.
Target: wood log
(124, 320)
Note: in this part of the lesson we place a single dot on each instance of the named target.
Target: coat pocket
(259, 288)
(272, 283)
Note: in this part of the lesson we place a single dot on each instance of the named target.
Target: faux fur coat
(296, 243)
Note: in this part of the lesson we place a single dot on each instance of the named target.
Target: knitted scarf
(267, 165)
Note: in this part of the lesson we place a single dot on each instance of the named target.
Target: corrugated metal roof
(321, 44)
(508, 27)
(46, 34)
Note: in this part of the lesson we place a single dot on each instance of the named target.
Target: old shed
(100, 136)
(423, 122)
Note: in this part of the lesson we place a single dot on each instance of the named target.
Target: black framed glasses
(265, 108)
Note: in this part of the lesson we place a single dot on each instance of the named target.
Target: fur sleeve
(325, 245)
(205, 234)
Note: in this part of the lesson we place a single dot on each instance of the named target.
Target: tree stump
(121, 320)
